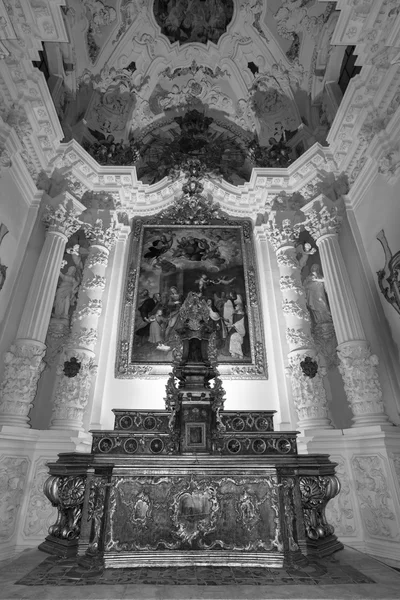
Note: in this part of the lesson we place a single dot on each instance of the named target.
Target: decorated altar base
(132, 504)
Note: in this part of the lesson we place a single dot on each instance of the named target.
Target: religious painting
(217, 265)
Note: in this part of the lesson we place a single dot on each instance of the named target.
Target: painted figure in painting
(204, 262)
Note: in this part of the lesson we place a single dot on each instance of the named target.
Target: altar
(192, 484)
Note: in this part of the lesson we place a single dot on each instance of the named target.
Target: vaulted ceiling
(256, 67)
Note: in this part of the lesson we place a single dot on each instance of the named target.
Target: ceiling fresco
(186, 21)
(136, 66)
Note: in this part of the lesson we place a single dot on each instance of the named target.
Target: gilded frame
(127, 368)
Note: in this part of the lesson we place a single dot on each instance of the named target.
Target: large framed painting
(166, 262)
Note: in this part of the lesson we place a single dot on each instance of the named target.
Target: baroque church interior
(229, 168)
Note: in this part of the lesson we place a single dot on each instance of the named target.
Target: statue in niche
(317, 300)
(66, 293)
(303, 252)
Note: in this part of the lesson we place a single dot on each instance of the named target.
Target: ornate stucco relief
(376, 502)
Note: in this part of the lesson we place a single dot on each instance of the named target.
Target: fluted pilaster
(357, 366)
(24, 360)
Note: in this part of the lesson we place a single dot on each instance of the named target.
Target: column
(357, 365)
(77, 365)
(306, 374)
(24, 360)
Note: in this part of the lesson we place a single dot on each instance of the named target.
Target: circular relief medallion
(105, 445)
(234, 446)
(238, 424)
(262, 424)
(130, 446)
(259, 446)
(283, 446)
(193, 20)
(125, 422)
(149, 423)
(156, 445)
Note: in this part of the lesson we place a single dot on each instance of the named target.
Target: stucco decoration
(340, 510)
(13, 471)
(388, 277)
(376, 502)
(101, 16)
(193, 20)
(40, 513)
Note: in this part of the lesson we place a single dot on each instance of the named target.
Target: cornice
(83, 174)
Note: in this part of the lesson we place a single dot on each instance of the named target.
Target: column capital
(323, 217)
(283, 229)
(62, 218)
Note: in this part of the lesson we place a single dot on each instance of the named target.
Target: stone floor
(343, 577)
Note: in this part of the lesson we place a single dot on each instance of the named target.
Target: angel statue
(66, 293)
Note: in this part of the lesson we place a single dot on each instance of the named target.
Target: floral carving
(315, 493)
(72, 393)
(66, 494)
(13, 471)
(377, 507)
(40, 513)
(100, 235)
(61, 219)
(23, 366)
(287, 258)
(284, 235)
(298, 338)
(95, 258)
(323, 221)
(289, 283)
(91, 309)
(360, 376)
(86, 337)
(340, 510)
(290, 307)
(96, 281)
(308, 393)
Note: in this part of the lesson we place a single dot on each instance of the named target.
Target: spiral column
(77, 365)
(305, 372)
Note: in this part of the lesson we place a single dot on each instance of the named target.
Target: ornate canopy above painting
(191, 249)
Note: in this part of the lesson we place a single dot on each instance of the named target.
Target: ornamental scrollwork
(66, 494)
(131, 283)
(316, 491)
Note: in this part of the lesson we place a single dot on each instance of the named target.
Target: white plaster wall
(19, 251)
(379, 209)
(110, 392)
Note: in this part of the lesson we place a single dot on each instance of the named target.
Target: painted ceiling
(134, 66)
